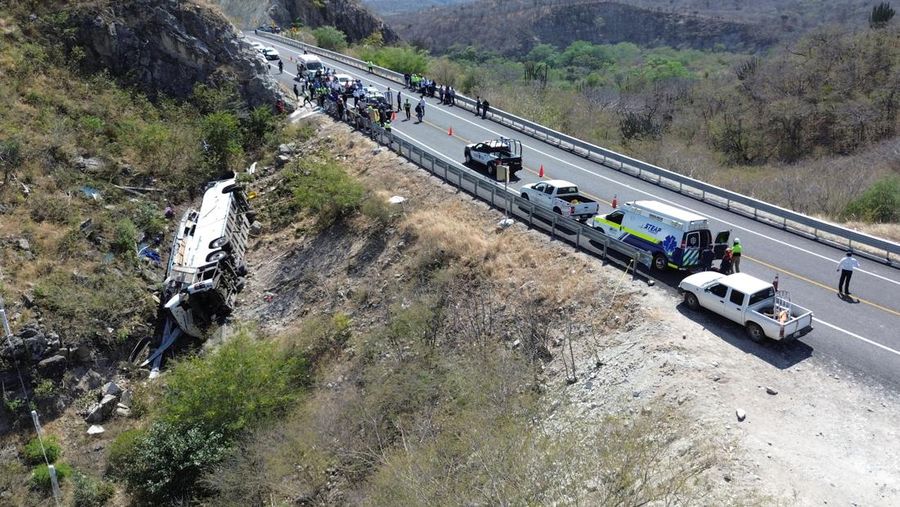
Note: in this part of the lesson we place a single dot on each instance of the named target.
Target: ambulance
(673, 236)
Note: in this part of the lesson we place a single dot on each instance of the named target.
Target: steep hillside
(520, 25)
(388, 7)
(349, 16)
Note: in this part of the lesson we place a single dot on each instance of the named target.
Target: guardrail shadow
(780, 354)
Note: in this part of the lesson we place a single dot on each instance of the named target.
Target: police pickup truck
(489, 154)
(562, 197)
(751, 302)
(674, 237)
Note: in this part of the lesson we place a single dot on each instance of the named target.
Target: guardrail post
(634, 266)
(460, 180)
(531, 216)
(605, 247)
(578, 238)
(493, 191)
(553, 228)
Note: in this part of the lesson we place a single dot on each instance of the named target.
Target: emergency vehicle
(308, 65)
(673, 236)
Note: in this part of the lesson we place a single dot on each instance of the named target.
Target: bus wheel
(660, 263)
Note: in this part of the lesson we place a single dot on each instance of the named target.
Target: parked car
(562, 197)
(270, 53)
(749, 301)
(257, 46)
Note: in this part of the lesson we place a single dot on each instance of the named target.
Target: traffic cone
(615, 202)
(541, 171)
(394, 116)
(450, 132)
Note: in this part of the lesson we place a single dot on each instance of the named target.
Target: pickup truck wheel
(468, 157)
(557, 211)
(690, 299)
(660, 263)
(755, 332)
(525, 196)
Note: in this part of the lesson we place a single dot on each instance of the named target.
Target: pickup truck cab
(562, 197)
(749, 301)
(489, 154)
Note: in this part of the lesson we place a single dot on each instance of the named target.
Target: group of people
(730, 263)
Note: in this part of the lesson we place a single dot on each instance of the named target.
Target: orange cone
(394, 116)
(541, 172)
(615, 203)
(450, 132)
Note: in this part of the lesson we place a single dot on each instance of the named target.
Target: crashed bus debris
(205, 271)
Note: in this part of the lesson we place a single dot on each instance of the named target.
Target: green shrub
(398, 59)
(329, 37)
(149, 219)
(90, 492)
(122, 448)
(879, 203)
(326, 189)
(162, 465)
(45, 389)
(33, 454)
(51, 208)
(258, 126)
(126, 238)
(40, 476)
(379, 210)
(222, 134)
(237, 386)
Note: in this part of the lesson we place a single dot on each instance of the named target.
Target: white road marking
(352, 71)
(858, 337)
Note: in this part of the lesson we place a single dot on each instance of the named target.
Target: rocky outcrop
(168, 46)
(348, 16)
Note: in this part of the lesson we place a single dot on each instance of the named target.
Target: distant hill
(389, 7)
(515, 26)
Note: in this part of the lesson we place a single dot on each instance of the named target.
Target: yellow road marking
(763, 263)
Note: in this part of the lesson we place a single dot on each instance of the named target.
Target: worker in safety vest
(736, 250)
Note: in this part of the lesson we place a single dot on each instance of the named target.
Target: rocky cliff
(513, 27)
(349, 16)
(168, 46)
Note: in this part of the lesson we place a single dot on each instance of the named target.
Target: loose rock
(741, 415)
(771, 391)
(95, 429)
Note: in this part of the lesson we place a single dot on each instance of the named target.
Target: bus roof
(667, 211)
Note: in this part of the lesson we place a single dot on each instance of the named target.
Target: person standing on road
(280, 66)
(846, 267)
(398, 101)
(407, 107)
(422, 109)
(726, 263)
(484, 108)
(706, 258)
(389, 96)
(477, 106)
(736, 250)
(296, 93)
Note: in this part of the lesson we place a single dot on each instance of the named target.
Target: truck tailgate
(799, 325)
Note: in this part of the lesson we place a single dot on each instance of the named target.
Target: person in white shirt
(846, 267)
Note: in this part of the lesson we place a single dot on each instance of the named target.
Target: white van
(308, 65)
(673, 236)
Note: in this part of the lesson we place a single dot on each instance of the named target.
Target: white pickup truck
(749, 301)
(562, 197)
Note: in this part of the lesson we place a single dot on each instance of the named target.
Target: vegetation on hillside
(783, 126)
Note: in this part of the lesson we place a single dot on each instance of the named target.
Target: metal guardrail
(865, 245)
(571, 231)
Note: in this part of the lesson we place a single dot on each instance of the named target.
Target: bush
(379, 210)
(237, 386)
(34, 455)
(325, 189)
(222, 135)
(90, 492)
(121, 450)
(329, 37)
(398, 59)
(879, 203)
(163, 464)
(257, 127)
(40, 476)
(125, 242)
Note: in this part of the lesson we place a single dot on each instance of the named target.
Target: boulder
(89, 381)
(52, 367)
(99, 412)
(256, 228)
(95, 429)
(23, 244)
(111, 389)
(83, 353)
(88, 165)
(126, 398)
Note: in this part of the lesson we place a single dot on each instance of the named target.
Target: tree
(881, 15)
(222, 138)
(329, 37)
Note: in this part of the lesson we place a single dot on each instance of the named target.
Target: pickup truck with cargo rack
(490, 154)
(749, 301)
(562, 197)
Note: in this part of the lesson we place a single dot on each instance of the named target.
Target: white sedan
(258, 47)
(270, 54)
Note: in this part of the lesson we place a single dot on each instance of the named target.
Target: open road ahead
(861, 334)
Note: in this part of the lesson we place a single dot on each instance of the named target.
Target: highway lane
(846, 333)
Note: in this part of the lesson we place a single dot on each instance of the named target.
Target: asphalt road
(860, 334)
